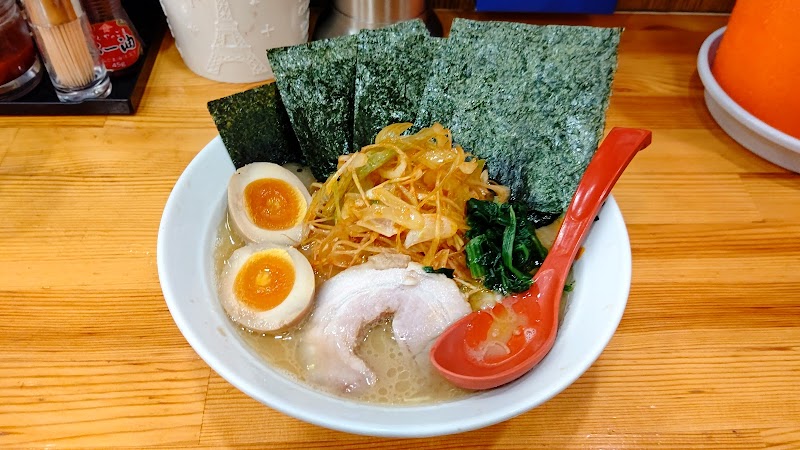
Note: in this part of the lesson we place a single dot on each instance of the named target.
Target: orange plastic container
(758, 61)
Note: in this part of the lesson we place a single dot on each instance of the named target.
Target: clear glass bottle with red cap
(114, 34)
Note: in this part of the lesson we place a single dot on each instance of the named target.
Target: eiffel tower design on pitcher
(229, 44)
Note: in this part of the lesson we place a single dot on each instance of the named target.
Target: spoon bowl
(494, 346)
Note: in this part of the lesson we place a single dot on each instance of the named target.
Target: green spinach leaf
(503, 250)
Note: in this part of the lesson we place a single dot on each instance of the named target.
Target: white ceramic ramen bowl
(185, 267)
(751, 132)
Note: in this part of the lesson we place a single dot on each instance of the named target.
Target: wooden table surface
(707, 354)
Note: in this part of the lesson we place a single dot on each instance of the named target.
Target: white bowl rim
(364, 423)
(747, 119)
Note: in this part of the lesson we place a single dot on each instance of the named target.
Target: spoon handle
(610, 160)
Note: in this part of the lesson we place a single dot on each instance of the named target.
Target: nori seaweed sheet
(413, 26)
(392, 68)
(317, 84)
(254, 127)
(317, 81)
(531, 100)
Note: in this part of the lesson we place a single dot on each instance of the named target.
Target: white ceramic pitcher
(227, 40)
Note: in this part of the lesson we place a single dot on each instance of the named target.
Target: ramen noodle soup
(345, 284)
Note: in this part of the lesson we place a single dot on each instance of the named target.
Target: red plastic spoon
(489, 348)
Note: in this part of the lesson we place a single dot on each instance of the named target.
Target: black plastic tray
(126, 89)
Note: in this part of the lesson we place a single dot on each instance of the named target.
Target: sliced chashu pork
(423, 305)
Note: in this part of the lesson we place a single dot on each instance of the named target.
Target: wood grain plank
(687, 23)
(77, 402)
(781, 438)
(687, 198)
(52, 121)
(97, 152)
(698, 268)
(6, 138)
(741, 384)
(107, 218)
(692, 305)
(647, 74)
(714, 239)
(671, 41)
(721, 6)
(709, 151)
(657, 113)
(776, 196)
(135, 322)
(716, 439)
(580, 417)
(716, 253)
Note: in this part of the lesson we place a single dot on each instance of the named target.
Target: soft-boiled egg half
(267, 203)
(267, 287)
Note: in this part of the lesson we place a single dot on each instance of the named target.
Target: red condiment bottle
(116, 38)
(20, 69)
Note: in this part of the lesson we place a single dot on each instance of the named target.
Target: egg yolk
(265, 280)
(274, 204)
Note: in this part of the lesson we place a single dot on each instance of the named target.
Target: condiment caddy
(104, 72)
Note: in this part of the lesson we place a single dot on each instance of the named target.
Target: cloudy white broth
(399, 379)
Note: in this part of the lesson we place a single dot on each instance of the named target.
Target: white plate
(752, 133)
(185, 268)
